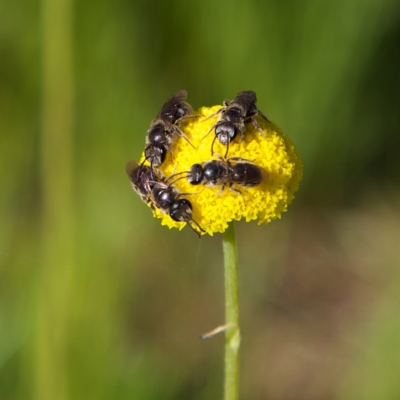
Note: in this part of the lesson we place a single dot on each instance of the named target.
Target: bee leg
(257, 126)
(238, 159)
(221, 190)
(187, 116)
(208, 132)
(263, 116)
(237, 191)
(168, 147)
(214, 114)
(182, 135)
(241, 134)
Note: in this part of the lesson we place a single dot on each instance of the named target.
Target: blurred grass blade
(54, 291)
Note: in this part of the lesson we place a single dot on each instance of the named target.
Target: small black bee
(234, 115)
(234, 170)
(156, 190)
(165, 127)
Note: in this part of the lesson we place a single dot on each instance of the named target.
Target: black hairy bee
(156, 190)
(165, 127)
(143, 179)
(234, 170)
(233, 117)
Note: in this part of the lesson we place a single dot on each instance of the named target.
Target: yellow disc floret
(214, 208)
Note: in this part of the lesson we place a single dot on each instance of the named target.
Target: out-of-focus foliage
(98, 301)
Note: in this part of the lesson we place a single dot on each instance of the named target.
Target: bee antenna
(212, 145)
(142, 163)
(150, 160)
(175, 175)
(227, 149)
(198, 226)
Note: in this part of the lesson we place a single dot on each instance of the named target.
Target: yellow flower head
(214, 208)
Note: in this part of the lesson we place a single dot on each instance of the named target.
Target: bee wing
(141, 183)
(246, 99)
(130, 169)
(172, 102)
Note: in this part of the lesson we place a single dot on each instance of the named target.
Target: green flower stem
(232, 335)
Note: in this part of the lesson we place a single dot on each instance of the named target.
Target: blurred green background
(98, 300)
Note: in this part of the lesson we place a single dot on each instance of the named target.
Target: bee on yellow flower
(255, 179)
